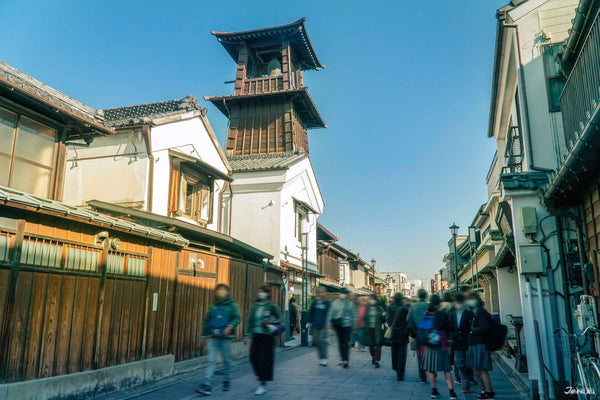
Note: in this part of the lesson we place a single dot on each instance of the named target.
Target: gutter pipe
(582, 13)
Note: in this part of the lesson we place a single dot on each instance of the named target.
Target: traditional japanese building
(276, 195)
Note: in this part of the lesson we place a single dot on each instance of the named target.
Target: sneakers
(323, 362)
(377, 364)
(226, 386)
(435, 394)
(204, 390)
(260, 391)
(453, 395)
(473, 382)
(423, 382)
(458, 382)
(346, 364)
(486, 395)
(341, 362)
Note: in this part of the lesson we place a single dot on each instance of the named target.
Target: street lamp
(373, 261)
(454, 230)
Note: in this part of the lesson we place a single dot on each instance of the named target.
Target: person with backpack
(372, 335)
(397, 319)
(341, 317)
(218, 328)
(416, 312)
(264, 324)
(478, 354)
(434, 328)
(317, 321)
(461, 318)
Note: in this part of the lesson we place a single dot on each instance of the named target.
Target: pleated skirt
(478, 356)
(435, 359)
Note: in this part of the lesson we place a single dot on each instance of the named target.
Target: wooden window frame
(298, 210)
(180, 175)
(53, 168)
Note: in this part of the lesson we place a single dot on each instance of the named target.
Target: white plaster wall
(109, 176)
(509, 297)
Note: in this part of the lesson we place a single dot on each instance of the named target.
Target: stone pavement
(299, 377)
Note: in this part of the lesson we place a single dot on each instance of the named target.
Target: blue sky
(405, 93)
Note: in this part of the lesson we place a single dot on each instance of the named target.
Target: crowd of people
(447, 333)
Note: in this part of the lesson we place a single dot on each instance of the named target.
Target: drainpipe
(148, 142)
(523, 91)
(563, 268)
(541, 373)
(540, 295)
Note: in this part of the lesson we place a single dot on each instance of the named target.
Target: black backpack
(496, 336)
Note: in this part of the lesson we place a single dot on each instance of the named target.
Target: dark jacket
(400, 326)
(372, 334)
(293, 313)
(480, 326)
(317, 313)
(274, 316)
(232, 311)
(460, 333)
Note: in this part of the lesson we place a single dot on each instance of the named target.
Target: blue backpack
(428, 335)
(219, 320)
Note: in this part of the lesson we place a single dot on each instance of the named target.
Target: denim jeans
(461, 371)
(218, 345)
(320, 337)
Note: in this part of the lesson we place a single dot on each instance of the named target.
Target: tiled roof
(264, 162)
(27, 84)
(140, 113)
(9, 195)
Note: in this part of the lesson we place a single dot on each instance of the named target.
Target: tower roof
(294, 32)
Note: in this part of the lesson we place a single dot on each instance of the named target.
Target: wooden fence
(69, 305)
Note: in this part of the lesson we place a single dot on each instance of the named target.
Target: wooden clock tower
(270, 110)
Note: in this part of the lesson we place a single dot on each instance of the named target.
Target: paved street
(299, 377)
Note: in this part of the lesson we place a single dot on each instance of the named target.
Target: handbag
(389, 332)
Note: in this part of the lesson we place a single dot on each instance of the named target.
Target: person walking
(372, 335)
(416, 312)
(218, 328)
(317, 322)
(397, 319)
(461, 319)
(293, 316)
(341, 317)
(261, 325)
(478, 356)
(433, 333)
(360, 322)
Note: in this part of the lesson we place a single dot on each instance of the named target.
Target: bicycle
(585, 367)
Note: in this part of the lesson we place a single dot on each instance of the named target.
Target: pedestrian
(397, 319)
(433, 333)
(354, 339)
(218, 328)
(261, 325)
(447, 302)
(373, 335)
(461, 319)
(317, 322)
(341, 317)
(293, 316)
(360, 321)
(478, 356)
(416, 312)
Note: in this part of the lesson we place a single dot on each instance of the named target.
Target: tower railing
(263, 85)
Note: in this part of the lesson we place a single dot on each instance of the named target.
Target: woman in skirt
(435, 356)
(478, 356)
(263, 315)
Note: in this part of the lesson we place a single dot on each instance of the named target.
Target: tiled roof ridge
(46, 91)
(266, 155)
(139, 113)
(189, 99)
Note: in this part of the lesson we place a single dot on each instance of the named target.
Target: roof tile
(264, 162)
(140, 113)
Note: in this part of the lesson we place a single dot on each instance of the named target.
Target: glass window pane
(36, 142)
(4, 169)
(7, 127)
(31, 179)
(205, 205)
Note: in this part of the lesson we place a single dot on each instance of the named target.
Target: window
(555, 79)
(301, 219)
(195, 196)
(27, 153)
(225, 213)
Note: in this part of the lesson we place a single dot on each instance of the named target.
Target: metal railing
(579, 98)
(267, 84)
